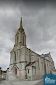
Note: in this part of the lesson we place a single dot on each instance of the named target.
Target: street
(40, 83)
(36, 82)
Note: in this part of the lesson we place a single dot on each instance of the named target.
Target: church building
(25, 63)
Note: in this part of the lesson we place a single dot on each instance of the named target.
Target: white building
(26, 64)
(4, 75)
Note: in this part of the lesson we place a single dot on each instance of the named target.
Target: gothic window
(15, 56)
(28, 70)
(42, 62)
(38, 62)
(23, 40)
(33, 69)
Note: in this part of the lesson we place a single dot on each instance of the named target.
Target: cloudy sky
(39, 23)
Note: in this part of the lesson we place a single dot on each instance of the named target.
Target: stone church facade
(26, 64)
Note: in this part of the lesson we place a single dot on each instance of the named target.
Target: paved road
(40, 83)
(22, 82)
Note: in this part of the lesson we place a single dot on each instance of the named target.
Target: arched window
(15, 56)
(28, 70)
(42, 63)
(38, 62)
(33, 70)
(23, 40)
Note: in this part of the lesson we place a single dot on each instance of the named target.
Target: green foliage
(3, 79)
(3, 71)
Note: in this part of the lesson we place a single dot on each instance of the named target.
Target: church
(25, 63)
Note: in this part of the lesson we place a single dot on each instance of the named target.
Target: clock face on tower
(17, 47)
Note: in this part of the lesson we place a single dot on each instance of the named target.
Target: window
(33, 70)
(28, 70)
(15, 56)
(42, 62)
(38, 62)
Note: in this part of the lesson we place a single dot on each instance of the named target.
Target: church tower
(20, 37)
(18, 58)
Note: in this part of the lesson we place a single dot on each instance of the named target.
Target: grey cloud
(38, 23)
(8, 50)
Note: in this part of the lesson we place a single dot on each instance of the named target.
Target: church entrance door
(15, 71)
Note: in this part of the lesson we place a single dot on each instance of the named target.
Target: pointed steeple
(21, 23)
(21, 27)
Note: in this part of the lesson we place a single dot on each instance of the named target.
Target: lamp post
(0, 74)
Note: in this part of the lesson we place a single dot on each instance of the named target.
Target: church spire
(21, 23)
(21, 27)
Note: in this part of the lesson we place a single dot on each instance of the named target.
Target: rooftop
(45, 55)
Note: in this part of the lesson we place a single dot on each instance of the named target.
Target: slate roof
(45, 55)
